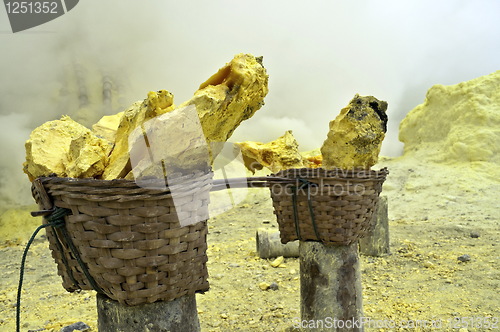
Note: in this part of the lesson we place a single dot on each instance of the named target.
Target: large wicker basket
(331, 206)
(129, 238)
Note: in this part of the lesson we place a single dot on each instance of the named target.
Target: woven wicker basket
(331, 206)
(130, 238)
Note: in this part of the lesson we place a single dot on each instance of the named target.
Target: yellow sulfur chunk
(87, 157)
(277, 155)
(66, 148)
(356, 134)
(107, 126)
(229, 97)
(150, 133)
(155, 104)
(313, 158)
(170, 143)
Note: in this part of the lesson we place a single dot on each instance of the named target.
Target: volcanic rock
(66, 148)
(312, 158)
(228, 97)
(356, 134)
(153, 137)
(107, 126)
(277, 155)
(155, 104)
(182, 141)
(170, 143)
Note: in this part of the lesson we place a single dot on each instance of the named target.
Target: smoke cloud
(103, 55)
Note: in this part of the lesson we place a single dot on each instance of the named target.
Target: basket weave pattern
(131, 238)
(340, 203)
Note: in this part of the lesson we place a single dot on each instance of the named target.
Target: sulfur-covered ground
(437, 214)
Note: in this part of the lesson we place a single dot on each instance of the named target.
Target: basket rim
(149, 179)
(122, 190)
(359, 174)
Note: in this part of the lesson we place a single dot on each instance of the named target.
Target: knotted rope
(55, 220)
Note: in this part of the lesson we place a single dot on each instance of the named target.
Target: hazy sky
(318, 55)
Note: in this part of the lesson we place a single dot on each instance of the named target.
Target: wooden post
(377, 244)
(269, 245)
(176, 315)
(330, 287)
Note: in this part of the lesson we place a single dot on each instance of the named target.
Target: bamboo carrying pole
(176, 315)
(330, 287)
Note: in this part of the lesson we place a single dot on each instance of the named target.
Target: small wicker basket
(331, 206)
(130, 238)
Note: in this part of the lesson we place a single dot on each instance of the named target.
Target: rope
(304, 184)
(55, 220)
(65, 260)
(308, 184)
(295, 212)
(85, 270)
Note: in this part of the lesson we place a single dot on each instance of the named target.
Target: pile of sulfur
(282, 153)
(354, 141)
(66, 148)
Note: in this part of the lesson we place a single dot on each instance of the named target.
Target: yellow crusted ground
(431, 221)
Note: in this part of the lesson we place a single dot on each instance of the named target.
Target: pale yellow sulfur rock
(456, 123)
(227, 98)
(356, 134)
(156, 143)
(313, 158)
(230, 96)
(175, 143)
(277, 155)
(66, 148)
(107, 126)
(155, 104)
(87, 156)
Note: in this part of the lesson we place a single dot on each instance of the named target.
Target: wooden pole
(330, 287)
(176, 315)
(377, 244)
